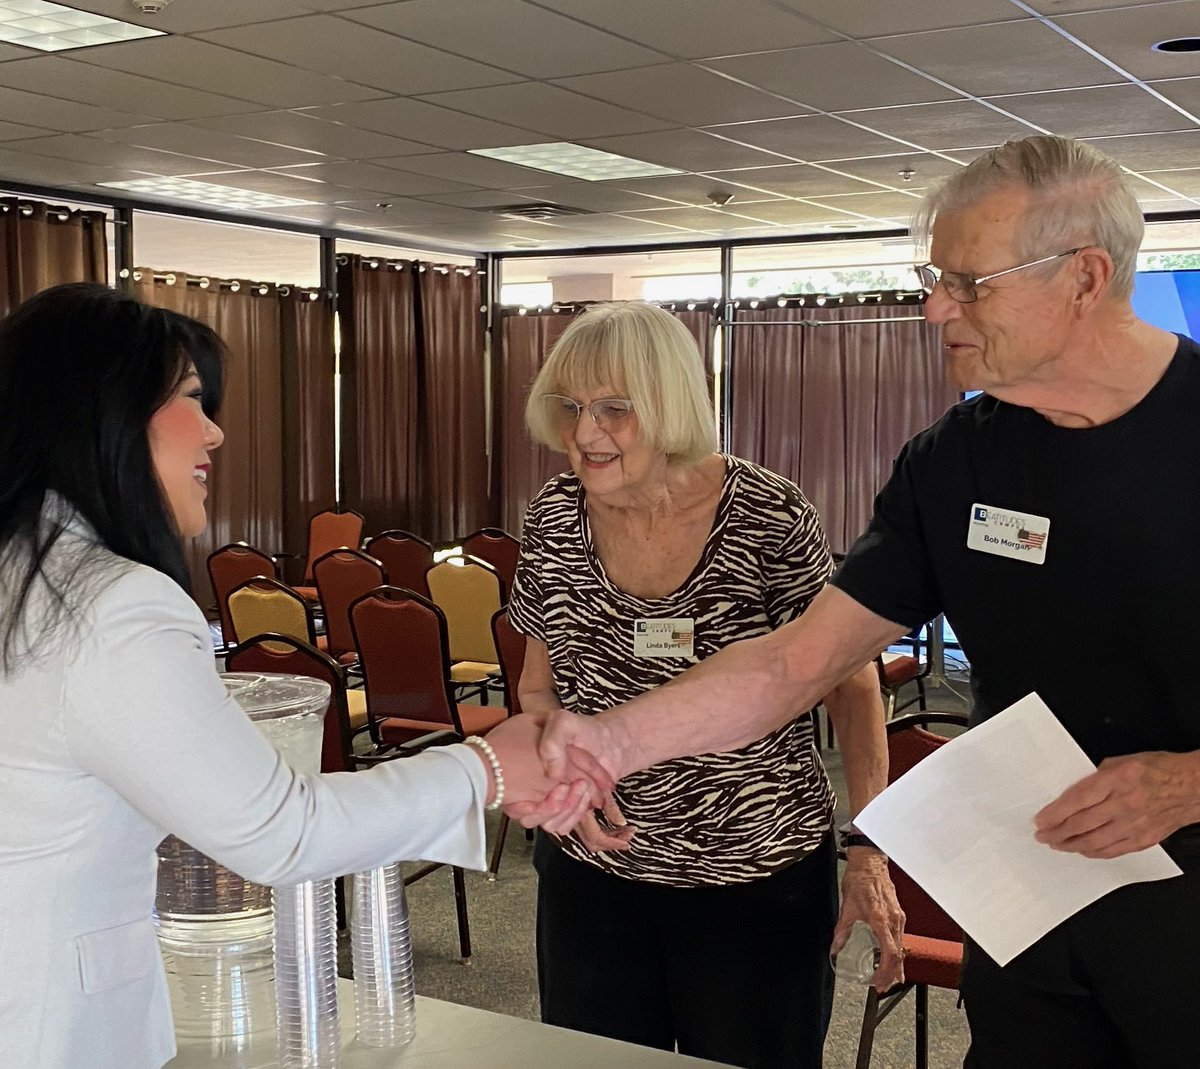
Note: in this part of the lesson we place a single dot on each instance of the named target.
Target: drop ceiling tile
(481, 198)
(361, 54)
(301, 130)
(886, 169)
(368, 176)
(688, 150)
(693, 189)
(437, 127)
(877, 205)
(1152, 152)
(870, 18)
(1062, 7)
(695, 28)
(1183, 91)
(11, 131)
(1185, 182)
(594, 196)
(63, 115)
(58, 76)
(942, 125)
(1010, 57)
(791, 180)
(214, 69)
(684, 94)
(834, 77)
(1114, 109)
(548, 109)
(695, 218)
(83, 149)
(627, 227)
(63, 174)
(1126, 34)
(210, 144)
(465, 167)
(187, 17)
(796, 213)
(533, 41)
(811, 138)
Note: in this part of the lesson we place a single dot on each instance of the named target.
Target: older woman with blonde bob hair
(697, 911)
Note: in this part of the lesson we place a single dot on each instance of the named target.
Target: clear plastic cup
(857, 961)
(306, 1003)
(384, 986)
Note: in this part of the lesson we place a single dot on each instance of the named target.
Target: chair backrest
(499, 549)
(331, 530)
(406, 557)
(229, 567)
(510, 646)
(404, 653)
(468, 591)
(262, 604)
(342, 576)
(911, 741)
(283, 653)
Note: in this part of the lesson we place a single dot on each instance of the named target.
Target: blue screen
(1169, 299)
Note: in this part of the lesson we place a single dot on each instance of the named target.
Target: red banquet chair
(328, 530)
(933, 943)
(229, 567)
(406, 556)
(497, 548)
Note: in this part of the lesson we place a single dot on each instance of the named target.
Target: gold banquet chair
(469, 593)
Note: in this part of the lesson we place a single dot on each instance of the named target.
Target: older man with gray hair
(1086, 429)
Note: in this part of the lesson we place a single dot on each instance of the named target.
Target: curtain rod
(234, 285)
(822, 322)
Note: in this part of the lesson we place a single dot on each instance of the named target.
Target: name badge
(1016, 535)
(663, 638)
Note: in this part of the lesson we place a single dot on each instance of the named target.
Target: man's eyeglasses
(962, 287)
(608, 413)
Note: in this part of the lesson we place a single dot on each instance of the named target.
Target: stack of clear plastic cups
(384, 991)
(306, 976)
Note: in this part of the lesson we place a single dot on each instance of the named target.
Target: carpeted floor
(501, 974)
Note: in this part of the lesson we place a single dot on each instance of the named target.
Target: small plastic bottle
(857, 961)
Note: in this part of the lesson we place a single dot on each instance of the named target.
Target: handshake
(560, 769)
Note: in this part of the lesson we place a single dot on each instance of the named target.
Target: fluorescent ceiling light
(207, 193)
(53, 27)
(575, 161)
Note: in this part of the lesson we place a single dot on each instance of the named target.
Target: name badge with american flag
(1005, 533)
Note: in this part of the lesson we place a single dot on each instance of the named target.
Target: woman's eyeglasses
(608, 413)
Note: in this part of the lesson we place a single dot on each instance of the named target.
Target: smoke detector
(149, 7)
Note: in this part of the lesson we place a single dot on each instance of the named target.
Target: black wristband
(856, 838)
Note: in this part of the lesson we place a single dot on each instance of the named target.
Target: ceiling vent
(539, 213)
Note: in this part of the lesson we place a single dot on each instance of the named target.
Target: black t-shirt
(1106, 630)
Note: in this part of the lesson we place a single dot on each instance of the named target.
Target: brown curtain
(454, 406)
(830, 406)
(380, 450)
(524, 466)
(262, 488)
(42, 246)
(525, 341)
(413, 397)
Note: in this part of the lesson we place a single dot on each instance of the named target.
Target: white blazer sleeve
(146, 712)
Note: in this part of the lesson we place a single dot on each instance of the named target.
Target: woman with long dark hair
(115, 729)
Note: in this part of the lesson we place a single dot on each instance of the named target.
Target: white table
(454, 1037)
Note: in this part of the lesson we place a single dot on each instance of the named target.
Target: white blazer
(122, 732)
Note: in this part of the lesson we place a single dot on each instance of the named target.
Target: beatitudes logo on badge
(980, 514)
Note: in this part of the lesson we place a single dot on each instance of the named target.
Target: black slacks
(737, 974)
(1117, 986)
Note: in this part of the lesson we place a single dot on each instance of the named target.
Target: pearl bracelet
(485, 748)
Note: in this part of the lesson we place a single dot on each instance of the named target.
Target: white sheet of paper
(960, 823)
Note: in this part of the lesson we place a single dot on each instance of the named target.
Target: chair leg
(891, 705)
(921, 694)
(866, 1037)
(922, 1028)
(460, 907)
(498, 849)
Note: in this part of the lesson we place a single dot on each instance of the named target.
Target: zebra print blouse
(718, 818)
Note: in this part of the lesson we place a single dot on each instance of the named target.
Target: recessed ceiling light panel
(207, 193)
(54, 27)
(575, 161)
(1178, 44)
